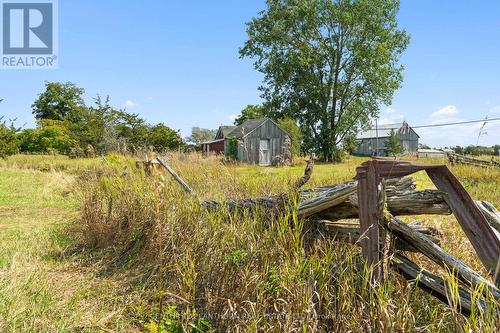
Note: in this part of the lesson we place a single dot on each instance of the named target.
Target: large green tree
(66, 125)
(250, 112)
(59, 101)
(162, 138)
(200, 135)
(329, 64)
(290, 126)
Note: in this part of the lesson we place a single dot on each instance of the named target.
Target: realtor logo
(29, 34)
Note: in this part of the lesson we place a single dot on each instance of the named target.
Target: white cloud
(130, 104)
(462, 134)
(232, 116)
(495, 110)
(445, 112)
(391, 116)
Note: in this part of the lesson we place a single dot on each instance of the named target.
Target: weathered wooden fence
(461, 159)
(380, 192)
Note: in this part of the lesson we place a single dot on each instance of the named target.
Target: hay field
(92, 245)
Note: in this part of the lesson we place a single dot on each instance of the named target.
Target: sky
(177, 62)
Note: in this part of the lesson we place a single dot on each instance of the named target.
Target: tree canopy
(162, 137)
(393, 145)
(59, 101)
(329, 64)
(200, 135)
(290, 126)
(250, 112)
(65, 124)
(9, 144)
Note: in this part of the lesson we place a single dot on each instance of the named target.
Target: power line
(458, 123)
(443, 124)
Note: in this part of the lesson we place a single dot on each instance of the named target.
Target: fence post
(369, 197)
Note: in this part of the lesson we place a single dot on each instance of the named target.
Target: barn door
(264, 153)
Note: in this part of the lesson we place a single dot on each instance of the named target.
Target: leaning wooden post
(473, 222)
(181, 181)
(369, 197)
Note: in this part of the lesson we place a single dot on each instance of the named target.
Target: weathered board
(249, 146)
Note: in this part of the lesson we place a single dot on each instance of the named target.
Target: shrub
(9, 143)
(232, 148)
(52, 136)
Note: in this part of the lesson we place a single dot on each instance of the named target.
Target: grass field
(41, 289)
(112, 250)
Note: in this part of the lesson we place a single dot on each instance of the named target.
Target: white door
(264, 153)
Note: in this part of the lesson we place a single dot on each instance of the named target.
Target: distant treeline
(477, 150)
(66, 125)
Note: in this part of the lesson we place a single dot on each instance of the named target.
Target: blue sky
(177, 62)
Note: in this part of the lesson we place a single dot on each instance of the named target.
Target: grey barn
(367, 141)
(259, 141)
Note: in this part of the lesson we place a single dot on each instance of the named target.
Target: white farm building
(372, 142)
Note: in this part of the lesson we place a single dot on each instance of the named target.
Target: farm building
(368, 140)
(433, 153)
(216, 146)
(256, 141)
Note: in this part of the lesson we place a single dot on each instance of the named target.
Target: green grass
(111, 249)
(41, 290)
(50, 163)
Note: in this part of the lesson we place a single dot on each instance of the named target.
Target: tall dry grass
(202, 271)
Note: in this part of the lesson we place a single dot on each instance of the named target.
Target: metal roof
(223, 131)
(422, 150)
(385, 131)
(212, 141)
(241, 131)
(226, 129)
(372, 133)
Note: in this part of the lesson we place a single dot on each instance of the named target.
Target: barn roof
(385, 131)
(223, 131)
(372, 133)
(211, 141)
(226, 129)
(422, 150)
(241, 131)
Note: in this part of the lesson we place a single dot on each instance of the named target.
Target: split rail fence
(381, 191)
(461, 159)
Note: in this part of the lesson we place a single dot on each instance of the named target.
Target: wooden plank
(316, 199)
(439, 256)
(350, 232)
(432, 283)
(399, 203)
(456, 158)
(181, 181)
(470, 218)
(326, 199)
(369, 215)
(491, 214)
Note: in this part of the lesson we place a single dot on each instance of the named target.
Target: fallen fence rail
(380, 192)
